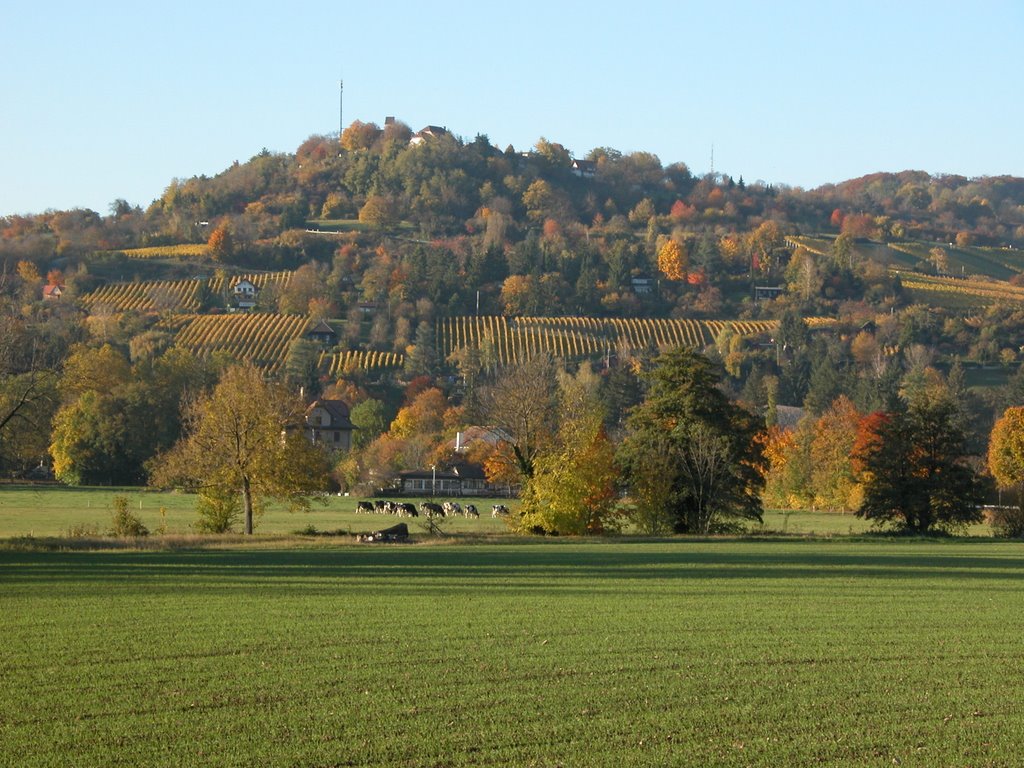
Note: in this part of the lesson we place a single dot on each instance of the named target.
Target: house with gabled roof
(244, 294)
(585, 169)
(328, 424)
(429, 132)
(322, 334)
(52, 292)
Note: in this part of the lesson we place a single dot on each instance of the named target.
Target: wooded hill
(390, 234)
(456, 217)
(403, 273)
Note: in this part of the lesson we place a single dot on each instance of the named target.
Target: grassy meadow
(52, 511)
(541, 653)
(47, 511)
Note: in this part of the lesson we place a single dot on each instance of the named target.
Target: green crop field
(733, 653)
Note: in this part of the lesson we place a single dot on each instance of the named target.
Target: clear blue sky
(112, 100)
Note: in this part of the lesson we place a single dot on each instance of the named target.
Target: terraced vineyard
(149, 296)
(174, 295)
(182, 251)
(260, 338)
(952, 292)
(513, 339)
(335, 364)
(968, 260)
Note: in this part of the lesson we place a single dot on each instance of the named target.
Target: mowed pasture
(55, 511)
(593, 653)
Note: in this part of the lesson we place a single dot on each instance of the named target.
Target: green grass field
(595, 653)
(48, 511)
(56, 510)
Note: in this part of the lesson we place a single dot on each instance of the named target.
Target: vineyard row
(174, 295)
(509, 340)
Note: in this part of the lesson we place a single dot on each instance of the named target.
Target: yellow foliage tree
(238, 442)
(672, 261)
(1006, 448)
(572, 490)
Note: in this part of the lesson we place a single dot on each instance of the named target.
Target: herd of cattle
(426, 509)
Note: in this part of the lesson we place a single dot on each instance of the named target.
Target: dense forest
(868, 290)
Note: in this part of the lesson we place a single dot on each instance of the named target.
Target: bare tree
(521, 407)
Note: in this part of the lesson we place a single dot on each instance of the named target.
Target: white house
(244, 294)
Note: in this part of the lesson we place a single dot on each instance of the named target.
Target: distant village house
(244, 294)
(430, 132)
(585, 169)
(52, 292)
(768, 292)
(322, 334)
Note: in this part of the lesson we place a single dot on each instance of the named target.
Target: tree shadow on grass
(527, 565)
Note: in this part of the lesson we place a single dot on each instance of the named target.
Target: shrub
(218, 513)
(83, 531)
(1008, 522)
(126, 522)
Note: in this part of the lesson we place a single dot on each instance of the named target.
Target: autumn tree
(378, 212)
(765, 244)
(672, 260)
(221, 242)
(713, 458)
(360, 135)
(572, 489)
(1006, 463)
(245, 439)
(520, 407)
(778, 446)
(832, 476)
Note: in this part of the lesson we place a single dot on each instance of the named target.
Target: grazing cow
(405, 509)
(364, 507)
(430, 509)
(380, 506)
(451, 508)
(470, 511)
(499, 510)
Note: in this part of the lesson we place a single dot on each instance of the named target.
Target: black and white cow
(430, 509)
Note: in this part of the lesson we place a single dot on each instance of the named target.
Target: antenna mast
(341, 108)
(712, 158)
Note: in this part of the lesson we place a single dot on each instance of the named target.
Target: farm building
(457, 480)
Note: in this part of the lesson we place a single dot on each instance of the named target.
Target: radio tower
(341, 106)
